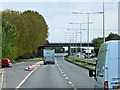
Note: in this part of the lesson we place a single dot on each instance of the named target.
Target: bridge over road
(69, 45)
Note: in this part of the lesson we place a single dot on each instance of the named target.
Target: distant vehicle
(107, 73)
(87, 56)
(49, 56)
(5, 62)
(80, 55)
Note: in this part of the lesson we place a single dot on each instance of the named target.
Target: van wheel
(45, 63)
(53, 63)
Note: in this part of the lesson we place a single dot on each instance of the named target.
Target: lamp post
(76, 39)
(80, 35)
(103, 23)
(89, 23)
(71, 39)
(103, 12)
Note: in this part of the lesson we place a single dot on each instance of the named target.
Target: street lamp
(80, 35)
(88, 23)
(103, 12)
(76, 39)
(72, 36)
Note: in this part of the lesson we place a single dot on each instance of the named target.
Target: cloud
(59, 14)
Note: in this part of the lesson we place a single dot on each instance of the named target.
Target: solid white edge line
(21, 83)
(2, 79)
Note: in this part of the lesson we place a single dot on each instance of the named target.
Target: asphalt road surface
(14, 75)
(61, 75)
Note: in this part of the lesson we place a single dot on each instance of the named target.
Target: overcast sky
(58, 14)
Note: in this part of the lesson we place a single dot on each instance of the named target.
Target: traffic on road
(60, 45)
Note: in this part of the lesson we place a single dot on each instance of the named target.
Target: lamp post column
(88, 36)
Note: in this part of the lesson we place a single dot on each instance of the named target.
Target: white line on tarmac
(70, 82)
(65, 76)
(26, 78)
(2, 79)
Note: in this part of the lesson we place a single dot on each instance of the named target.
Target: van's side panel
(100, 72)
(109, 54)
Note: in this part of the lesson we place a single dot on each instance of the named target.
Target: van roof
(112, 41)
(114, 48)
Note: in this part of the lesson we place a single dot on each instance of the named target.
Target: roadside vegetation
(89, 64)
(22, 34)
(30, 60)
(99, 40)
(27, 60)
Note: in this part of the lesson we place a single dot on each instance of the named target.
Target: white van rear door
(114, 66)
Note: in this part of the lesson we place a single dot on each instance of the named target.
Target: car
(107, 74)
(5, 62)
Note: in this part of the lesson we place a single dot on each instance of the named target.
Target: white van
(107, 73)
(49, 56)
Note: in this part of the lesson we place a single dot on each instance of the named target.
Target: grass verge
(27, 60)
(88, 64)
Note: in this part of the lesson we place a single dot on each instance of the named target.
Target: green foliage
(31, 29)
(82, 62)
(8, 38)
(0, 35)
(98, 41)
(30, 60)
(59, 50)
(113, 36)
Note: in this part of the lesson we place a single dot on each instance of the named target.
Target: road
(61, 75)
(14, 75)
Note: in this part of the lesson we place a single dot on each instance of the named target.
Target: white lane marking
(74, 88)
(72, 85)
(62, 72)
(65, 76)
(26, 78)
(60, 69)
(70, 82)
(2, 72)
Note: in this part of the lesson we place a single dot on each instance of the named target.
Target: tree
(8, 39)
(0, 35)
(98, 41)
(113, 36)
(31, 29)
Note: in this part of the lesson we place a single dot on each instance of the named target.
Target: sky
(58, 15)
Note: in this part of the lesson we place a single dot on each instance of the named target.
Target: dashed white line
(66, 76)
(72, 85)
(70, 82)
